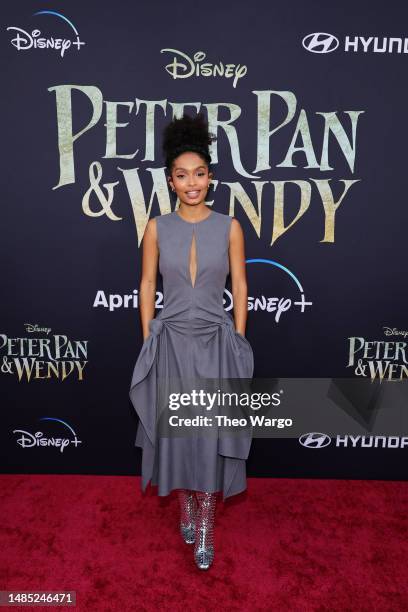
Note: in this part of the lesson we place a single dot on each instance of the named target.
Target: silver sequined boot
(188, 510)
(204, 544)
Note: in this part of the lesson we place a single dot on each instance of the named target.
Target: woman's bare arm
(147, 290)
(238, 276)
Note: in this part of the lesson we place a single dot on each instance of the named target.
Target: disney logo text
(186, 67)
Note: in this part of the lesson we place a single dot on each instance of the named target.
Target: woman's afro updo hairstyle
(187, 134)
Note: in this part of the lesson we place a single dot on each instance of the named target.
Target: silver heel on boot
(204, 545)
(188, 510)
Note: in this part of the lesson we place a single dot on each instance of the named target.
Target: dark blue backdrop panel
(308, 102)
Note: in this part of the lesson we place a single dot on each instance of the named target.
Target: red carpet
(284, 545)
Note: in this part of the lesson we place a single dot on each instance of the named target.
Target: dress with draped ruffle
(191, 336)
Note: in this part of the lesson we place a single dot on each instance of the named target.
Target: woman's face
(190, 178)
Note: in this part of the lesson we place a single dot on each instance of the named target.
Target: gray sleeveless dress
(192, 335)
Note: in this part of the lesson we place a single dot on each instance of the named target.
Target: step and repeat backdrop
(308, 102)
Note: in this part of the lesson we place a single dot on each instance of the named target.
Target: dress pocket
(244, 339)
(247, 352)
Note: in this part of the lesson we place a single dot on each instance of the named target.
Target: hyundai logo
(315, 440)
(320, 42)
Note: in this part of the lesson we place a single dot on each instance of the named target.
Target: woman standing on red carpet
(193, 337)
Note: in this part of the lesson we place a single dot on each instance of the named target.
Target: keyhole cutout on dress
(193, 261)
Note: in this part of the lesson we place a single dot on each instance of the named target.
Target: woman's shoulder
(222, 217)
(162, 218)
(163, 215)
(229, 221)
(156, 222)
